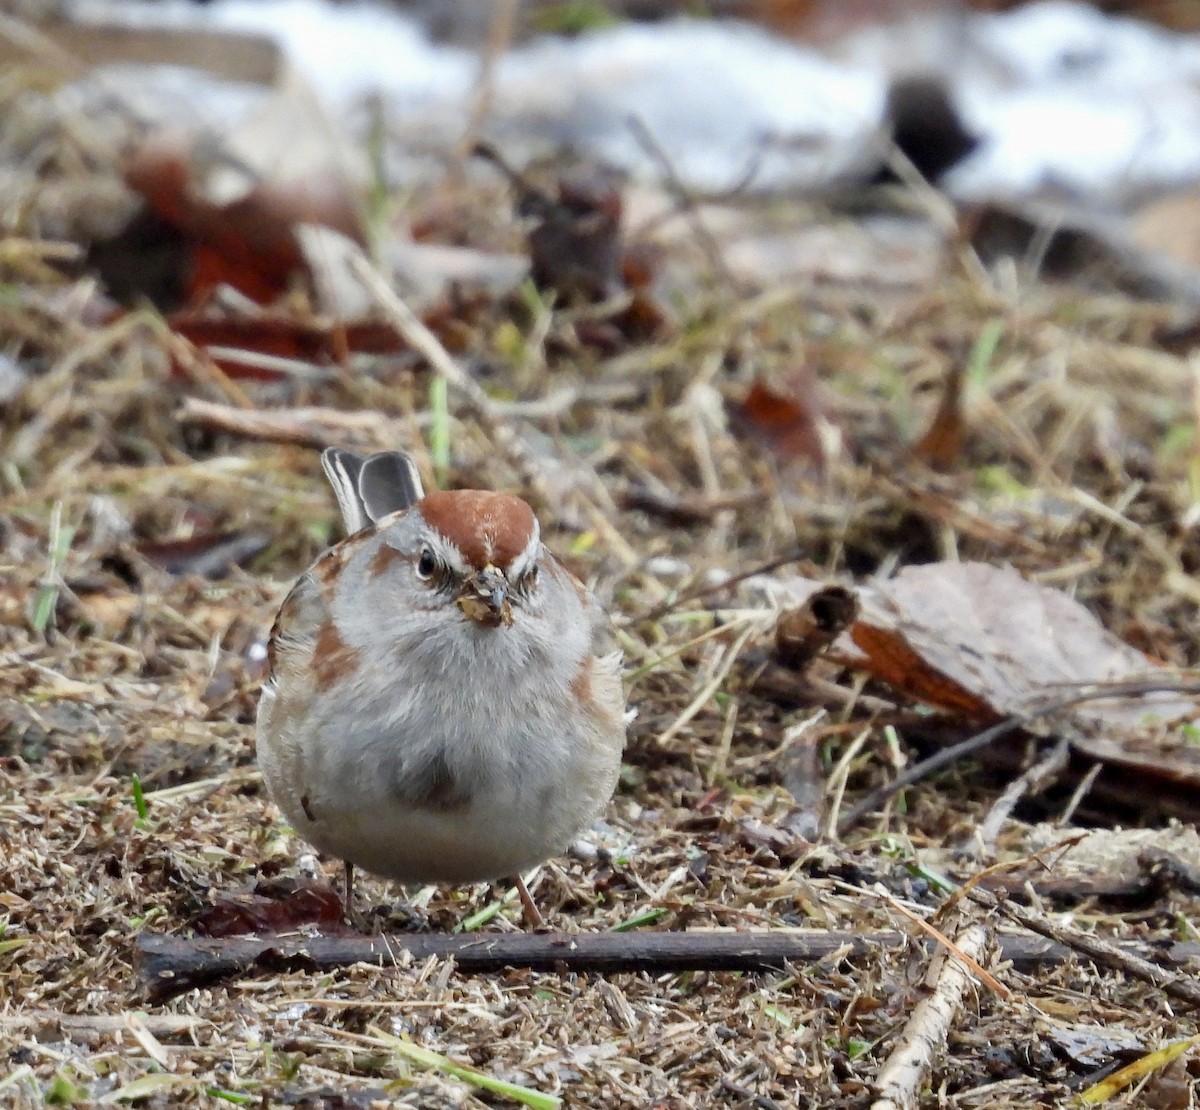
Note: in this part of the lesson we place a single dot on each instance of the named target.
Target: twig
(1106, 953)
(49, 1025)
(684, 510)
(952, 754)
(1034, 781)
(1081, 791)
(728, 583)
(304, 427)
(903, 1075)
(168, 966)
(426, 344)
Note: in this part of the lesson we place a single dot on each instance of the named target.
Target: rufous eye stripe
(387, 556)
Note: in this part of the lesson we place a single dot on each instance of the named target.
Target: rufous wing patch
(298, 615)
(598, 692)
(303, 635)
(581, 684)
(333, 659)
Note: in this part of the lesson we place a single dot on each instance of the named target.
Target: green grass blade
(439, 428)
(426, 1058)
(647, 918)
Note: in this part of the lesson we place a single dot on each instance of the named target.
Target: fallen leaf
(941, 445)
(985, 643)
(281, 906)
(790, 422)
(248, 242)
(226, 208)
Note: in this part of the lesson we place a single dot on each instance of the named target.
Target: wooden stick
(1136, 962)
(171, 965)
(906, 1070)
(303, 427)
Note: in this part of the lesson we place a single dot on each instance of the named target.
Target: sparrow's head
(477, 549)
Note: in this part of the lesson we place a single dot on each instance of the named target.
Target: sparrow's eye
(529, 579)
(426, 564)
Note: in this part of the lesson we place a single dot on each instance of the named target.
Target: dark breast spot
(432, 785)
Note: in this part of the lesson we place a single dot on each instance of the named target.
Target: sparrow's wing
(387, 483)
(368, 489)
(342, 468)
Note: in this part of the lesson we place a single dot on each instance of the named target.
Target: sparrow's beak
(485, 598)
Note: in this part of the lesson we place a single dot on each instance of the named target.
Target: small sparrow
(443, 703)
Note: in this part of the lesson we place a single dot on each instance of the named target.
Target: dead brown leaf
(789, 421)
(983, 641)
(281, 906)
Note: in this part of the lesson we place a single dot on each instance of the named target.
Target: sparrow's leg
(533, 918)
(348, 889)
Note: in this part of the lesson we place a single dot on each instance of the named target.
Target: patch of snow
(356, 50)
(723, 102)
(1078, 103)
(1066, 100)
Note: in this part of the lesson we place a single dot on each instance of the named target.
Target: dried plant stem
(1043, 774)
(836, 788)
(429, 347)
(904, 1074)
(304, 427)
(499, 37)
(1106, 953)
(711, 687)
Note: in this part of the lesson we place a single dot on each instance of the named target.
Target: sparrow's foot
(353, 918)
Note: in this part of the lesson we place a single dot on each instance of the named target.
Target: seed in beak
(485, 599)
